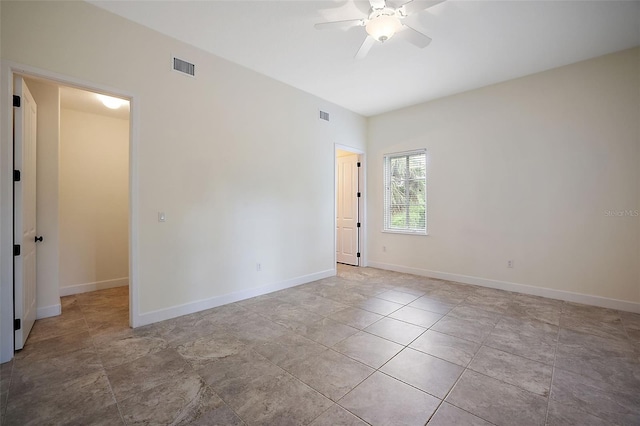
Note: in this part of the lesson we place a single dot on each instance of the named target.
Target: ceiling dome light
(110, 102)
(383, 27)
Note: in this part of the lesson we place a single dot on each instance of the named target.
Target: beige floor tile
(178, 401)
(397, 297)
(128, 349)
(327, 331)
(337, 415)
(531, 339)
(210, 348)
(265, 360)
(288, 349)
(416, 316)
(423, 371)
(49, 373)
(449, 415)
(526, 307)
(356, 318)
(522, 372)
(432, 305)
(449, 348)
(368, 349)
(316, 304)
(467, 329)
(331, 373)
(497, 402)
(57, 326)
(562, 415)
(379, 306)
(54, 346)
(383, 400)
(595, 397)
(79, 398)
(146, 372)
(609, 360)
(395, 330)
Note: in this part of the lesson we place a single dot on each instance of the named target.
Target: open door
(347, 222)
(24, 222)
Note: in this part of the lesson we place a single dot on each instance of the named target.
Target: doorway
(88, 156)
(349, 206)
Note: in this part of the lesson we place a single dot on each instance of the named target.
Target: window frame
(386, 214)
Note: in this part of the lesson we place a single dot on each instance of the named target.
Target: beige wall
(239, 162)
(524, 170)
(94, 200)
(47, 98)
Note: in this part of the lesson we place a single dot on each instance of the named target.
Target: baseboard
(568, 296)
(98, 285)
(201, 305)
(48, 311)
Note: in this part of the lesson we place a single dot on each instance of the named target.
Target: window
(405, 197)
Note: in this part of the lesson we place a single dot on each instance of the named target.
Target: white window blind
(405, 197)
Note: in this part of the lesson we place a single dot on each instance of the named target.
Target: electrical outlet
(258, 267)
(509, 263)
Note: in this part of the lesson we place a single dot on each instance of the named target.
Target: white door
(25, 212)
(347, 210)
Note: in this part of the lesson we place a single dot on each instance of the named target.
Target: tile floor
(367, 346)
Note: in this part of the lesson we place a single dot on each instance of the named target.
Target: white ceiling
(475, 43)
(85, 101)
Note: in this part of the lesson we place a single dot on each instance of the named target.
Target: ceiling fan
(384, 21)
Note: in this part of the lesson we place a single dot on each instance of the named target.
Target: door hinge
(357, 254)
(16, 101)
(358, 225)
(358, 195)
(358, 163)
(16, 176)
(17, 324)
(16, 249)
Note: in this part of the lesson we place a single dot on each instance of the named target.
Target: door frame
(7, 71)
(362, 205)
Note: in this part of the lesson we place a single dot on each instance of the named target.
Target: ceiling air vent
(184, 67)
(324, 116)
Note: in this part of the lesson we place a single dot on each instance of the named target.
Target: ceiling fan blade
(415, 37)
(340, 25)
(396, 4)
(377, 4)
(363, 6)
(419, 5)
(367, 44)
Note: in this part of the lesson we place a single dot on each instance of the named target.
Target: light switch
(162, 217)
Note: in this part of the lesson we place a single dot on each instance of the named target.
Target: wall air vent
(324, 116)
(184, 67)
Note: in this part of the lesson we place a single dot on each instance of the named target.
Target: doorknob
(38, 238)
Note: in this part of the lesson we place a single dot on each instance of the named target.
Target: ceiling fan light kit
(383, 25)
(384, 22)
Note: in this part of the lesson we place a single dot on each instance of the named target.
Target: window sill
(403, 232)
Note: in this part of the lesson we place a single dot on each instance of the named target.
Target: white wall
(47, 98)
(240, 163)
(524, 170)
(94, 201)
